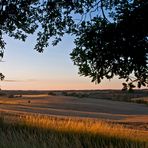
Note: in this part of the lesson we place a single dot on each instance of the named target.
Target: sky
(26, 69)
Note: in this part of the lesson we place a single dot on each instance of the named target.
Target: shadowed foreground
(40, 131)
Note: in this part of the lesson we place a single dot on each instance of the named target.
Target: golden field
(59, 120)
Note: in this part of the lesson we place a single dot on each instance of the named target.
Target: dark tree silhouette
(111, 35)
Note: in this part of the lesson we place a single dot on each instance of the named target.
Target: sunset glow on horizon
(26, 69)
(58, 85)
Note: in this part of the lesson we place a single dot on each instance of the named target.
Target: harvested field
(75, 107)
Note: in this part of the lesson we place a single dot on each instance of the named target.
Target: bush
(2, 94)
(11, 96)
(52, 93)
(64, 93)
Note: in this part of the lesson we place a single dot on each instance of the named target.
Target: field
(77, 119)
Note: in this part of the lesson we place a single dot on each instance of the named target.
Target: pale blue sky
(25, 68)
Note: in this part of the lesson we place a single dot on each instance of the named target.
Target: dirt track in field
(76, 107)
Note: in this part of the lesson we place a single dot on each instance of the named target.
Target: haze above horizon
(26, 69)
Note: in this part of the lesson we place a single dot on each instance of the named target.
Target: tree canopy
(111, 36)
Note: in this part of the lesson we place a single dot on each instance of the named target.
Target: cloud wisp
(15, 80)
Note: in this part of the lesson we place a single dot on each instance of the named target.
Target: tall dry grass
(36, 131)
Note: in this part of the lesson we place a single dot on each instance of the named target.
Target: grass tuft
(36, 131)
